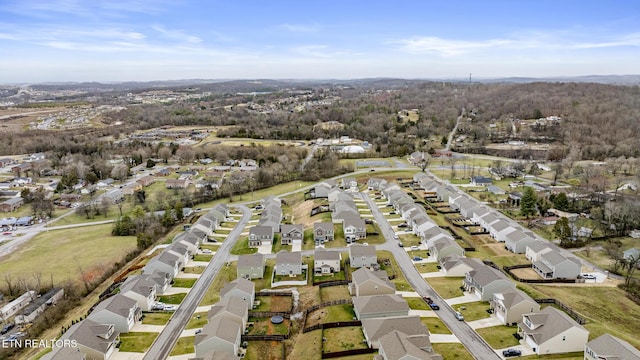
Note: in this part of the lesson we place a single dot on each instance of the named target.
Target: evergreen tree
(563, 231)
(561, 202)
(528, 202)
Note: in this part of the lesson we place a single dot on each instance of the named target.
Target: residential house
(6, 162)
(165, 262)
(377, 306)
(163, 172)
(444, 192)
(161, 279)
(486, 281)
(510, 305)
(289, 263)
(220, 335)
(323, 232)
(291, 234)
(260, 235)
(418, 157)
(609, 347)
(496, 190)
(11, 205)
(362, 255)
(458, 266)
(177, 183)
(375, 328)
(230, 308)
(365, 282)
(321, 190)
(376, 184)
(444, 247)
(536, 249)
(516, 241)
(96, 341)
(146, 180)
(481, 181)
(114, 196)
(326, 261)
(553, 265)
(349, 184)
(119, 310)
(17, 304)
(240, 289)
(141, 289)
(499, 230)
(630, 254)
(250, 266)
(354, 229)
(179, 250)
(399, 346)
(551, 331)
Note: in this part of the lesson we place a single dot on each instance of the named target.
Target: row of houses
(269, 223)
(384, 315)
(98, 335)
(226, 322)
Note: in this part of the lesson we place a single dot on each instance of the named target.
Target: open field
(156, 318)
(69, 254)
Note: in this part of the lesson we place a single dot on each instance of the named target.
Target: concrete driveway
(264, 249)
(432, 274)
(526, 350)
(467, 298)
(484, 323)
(443, 338)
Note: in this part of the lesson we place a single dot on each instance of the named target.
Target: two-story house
(510, 305)
(326, 261)
(354, 229)
(289, 263)
(377, 306)
(119, 310)
(140, 289)
(240, 289)
(260, 235)
(94, 340)
(365, 282)
(362, 255)
(609, 347)
(551, 331)
(485, 281)
(553, 265)
(291, 234)
(323, 232)
(250, 266)
(375, 328)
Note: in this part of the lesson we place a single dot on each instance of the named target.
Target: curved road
(475, 344)
(166, 340)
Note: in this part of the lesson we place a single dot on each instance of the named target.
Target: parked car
(7, 328)
(403, 225)
(588, 276)
(459, 316)
(400, 244)
(157, 306)
(6, 233)
(417, 258)
(207, 251)
(415, 247)
(430, 302)
(511, 352)
(170, 308)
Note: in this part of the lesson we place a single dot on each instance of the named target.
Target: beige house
(241, 289)
(362, 255)
(140, 289)
(95, 341)
(221, 335)
(373, 329)
(609, 347)
(551, 331)
(458, 266)
(365, 282)
(326, 261)
(399, 346)
(119, 310)
(230, 308)
(377, 306)
(509, 306)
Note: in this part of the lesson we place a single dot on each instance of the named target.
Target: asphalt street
(169, 336)
(478, 348)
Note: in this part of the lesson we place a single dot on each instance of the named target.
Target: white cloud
(179, 35)
(299, 28)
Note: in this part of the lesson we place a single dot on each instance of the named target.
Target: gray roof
(363, 275)
(355, 222)
(241, 284)
(554, 258)
(485, 275)
(450, 262)
(285, 257)
(254, 260)
(549, 322)
(92, 335)
(500, 225)
(326, 226)
(322, 254)
(513, 297)
(362, 250)
(379, 303)
(225, 329)
(287, 228)
(65, 353)
(118, 304)
(261, 230)
(377, 327)
(537, 246)
(611, 348)
(139, 284)
(397, 345)
(229, 305)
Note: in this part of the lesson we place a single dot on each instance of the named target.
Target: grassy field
(156, 318)
(606, 309)
(567, 356)
(345, 338)
(138, 342)
(68, 254)
(274, 303)
(226, 274)
(312, 346)
(194, 270)
(435, 325)
(183, 282)
(241, 247)
(499, 337)
(259, 350)
(184, 345)
(331, 293)
(172, 299)
(400, 282)
(197, 320)
(447, 287)
(417, 303)
(474, 310)
(452, 351)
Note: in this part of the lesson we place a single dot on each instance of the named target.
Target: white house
(551, 331)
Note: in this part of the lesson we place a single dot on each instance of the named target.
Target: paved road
(166, 340)
(454, 131)
(478, 348)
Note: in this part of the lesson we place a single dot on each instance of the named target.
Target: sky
(145, 40)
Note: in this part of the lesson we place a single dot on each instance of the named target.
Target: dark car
(511, 352)
(403, 225)
(434, 306)
(7, 327)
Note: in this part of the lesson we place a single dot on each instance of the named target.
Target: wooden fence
(332, 325)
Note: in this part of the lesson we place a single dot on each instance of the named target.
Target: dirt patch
(302, 213)
(498, 249)
(526, 273)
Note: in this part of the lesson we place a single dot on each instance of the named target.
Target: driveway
(264, 249)
(423, 313)
(526, 350)
(467, 298)
(433, 274)
(443, 338)
(484, 323)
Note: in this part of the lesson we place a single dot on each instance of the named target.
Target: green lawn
(473, 310)
(331, 293)
(202, 257)
(172, 299)
(197, 320)
(447, 287)
(427, 267)
(138, 342)
(184, 345)
(345, 338)
(225, 275)
(156, 318)
(417, 303)
(435, 325)
(68, 255)
(194, 269)
(567, 356)
(499, 337)
(183, 282)
(241, 247)
(336, 276)
(452, 351)
(400, 282)
(339, 313)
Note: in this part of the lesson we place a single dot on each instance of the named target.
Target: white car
(588, 276)
(207, 251)
(415, 247)
(170, 308)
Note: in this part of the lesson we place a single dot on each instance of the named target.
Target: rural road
(164, 343)
(476, 346)
(455, 129)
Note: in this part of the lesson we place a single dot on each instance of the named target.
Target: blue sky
(141, 40)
